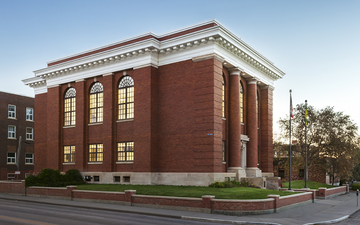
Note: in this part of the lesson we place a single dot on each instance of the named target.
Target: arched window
(241, 103)
(70, 107)
(126, 98)
(96, 103)
(223, 97)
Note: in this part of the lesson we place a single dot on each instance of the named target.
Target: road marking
(22, 220)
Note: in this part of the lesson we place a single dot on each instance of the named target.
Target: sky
(316, 43)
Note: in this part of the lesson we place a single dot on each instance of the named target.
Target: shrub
(53, 178)
(230, 184)
(356, 186)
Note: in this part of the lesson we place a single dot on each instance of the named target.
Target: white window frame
(30, 115)
(30, 136)
(12, 159)
(12, 134)
(12, 114)
(29, 160)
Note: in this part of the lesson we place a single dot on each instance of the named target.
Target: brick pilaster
(252, 124)
(234, 119)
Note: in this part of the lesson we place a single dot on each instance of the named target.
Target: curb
(95, 208)
(200, 219)
(330, 221)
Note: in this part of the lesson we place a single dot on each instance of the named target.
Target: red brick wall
(242, 205)
(168, 201)
(105, 196)
(12, 187)
(294, 199)
(46, 191)
(266, 142)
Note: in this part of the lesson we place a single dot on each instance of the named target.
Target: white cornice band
(196, 45)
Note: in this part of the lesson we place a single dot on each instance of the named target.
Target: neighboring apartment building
(189, 107)
(16, 120)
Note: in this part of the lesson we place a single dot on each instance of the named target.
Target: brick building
(16, 128)
(186, 108)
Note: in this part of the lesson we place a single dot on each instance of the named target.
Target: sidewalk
(330, 210)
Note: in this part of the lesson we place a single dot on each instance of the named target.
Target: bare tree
(332, 140)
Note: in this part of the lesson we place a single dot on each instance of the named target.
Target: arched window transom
(70, 107)
(126, 98)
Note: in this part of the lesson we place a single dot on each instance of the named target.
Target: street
(18, 212)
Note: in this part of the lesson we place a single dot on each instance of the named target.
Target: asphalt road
(14, 212)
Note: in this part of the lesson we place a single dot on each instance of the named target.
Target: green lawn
(187, 191)
(297, 184)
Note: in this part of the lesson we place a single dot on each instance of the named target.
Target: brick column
(266, 126)
(252, 127)
(276, 201)
(128, 196)
(69, 191)
(234, 119)
(206, 203)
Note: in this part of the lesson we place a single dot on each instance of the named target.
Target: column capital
(267, 87)
(236, 71)
(252, 80)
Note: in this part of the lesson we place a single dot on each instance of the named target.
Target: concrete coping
(322, 188)
(244, 200)
(130, 190)
(273, 196)
(305, 189)
(208, 196)
(11, 182)
(71, 186)
(169, 197)
(296, 195)
(102, 192)
(55, 188)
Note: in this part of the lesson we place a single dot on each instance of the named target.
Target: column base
(240, 172)
(253, 172)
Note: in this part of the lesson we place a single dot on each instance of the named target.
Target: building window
(96, 103)
(11, 131)
(241, 103)
(282, 173)
(69, 154)
(223, 151)
(11, 157)
(29, 133)
(96, 153)
(70, 107)
(29, 158)
(125, 152)
(30, 114)
(223, 97)
(126, 98)
(12, 111)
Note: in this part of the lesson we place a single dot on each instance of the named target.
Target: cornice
(238, 51)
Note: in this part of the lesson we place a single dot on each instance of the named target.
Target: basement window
(96, 178)
(116, 178)
(126, 179)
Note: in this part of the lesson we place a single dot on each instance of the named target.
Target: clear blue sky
(316, 43)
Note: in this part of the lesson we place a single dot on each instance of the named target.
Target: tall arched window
(70, 107)
(223, 97)
(241, 103)
(96, 103)
(126, 98)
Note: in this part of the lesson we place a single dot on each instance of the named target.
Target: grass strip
(188, 191)
(298, 184)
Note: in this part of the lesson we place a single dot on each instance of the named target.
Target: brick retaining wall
(206, 204)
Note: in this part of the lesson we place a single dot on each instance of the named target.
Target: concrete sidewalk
(322, 211)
